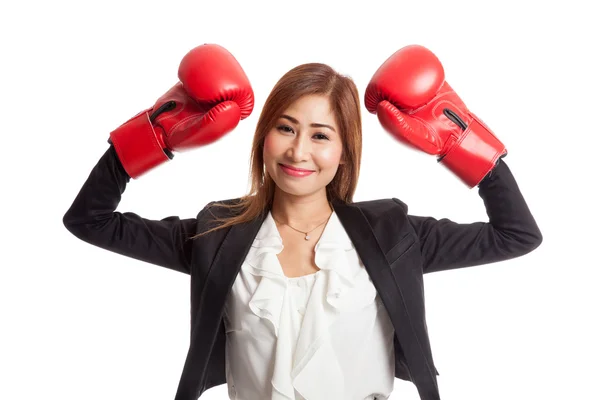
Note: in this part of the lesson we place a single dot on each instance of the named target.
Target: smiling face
(305, 137)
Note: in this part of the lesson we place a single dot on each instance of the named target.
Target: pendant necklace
(306, 234)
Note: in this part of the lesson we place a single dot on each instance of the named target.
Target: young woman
(297, 292)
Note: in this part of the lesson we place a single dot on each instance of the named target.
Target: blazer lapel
(217, 284)
(227, 263)
(365, 241)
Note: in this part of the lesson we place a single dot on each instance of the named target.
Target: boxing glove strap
(138, 145)
(474, 154)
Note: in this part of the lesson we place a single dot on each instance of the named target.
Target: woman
(296, 291)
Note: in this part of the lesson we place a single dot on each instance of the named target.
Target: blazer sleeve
(510, 232)
(93, 219)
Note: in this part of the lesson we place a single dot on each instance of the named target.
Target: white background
(78, 322)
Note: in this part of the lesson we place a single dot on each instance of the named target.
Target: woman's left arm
(415, 104)
(511, 231)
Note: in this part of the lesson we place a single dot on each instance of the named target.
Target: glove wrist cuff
(475, 154)
(137, 145)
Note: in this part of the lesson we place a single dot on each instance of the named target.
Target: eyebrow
(313, 125)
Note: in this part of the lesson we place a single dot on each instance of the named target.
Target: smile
(295, 172)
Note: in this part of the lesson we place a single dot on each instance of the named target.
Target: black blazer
(396, 249)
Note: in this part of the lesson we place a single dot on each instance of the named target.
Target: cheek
(269, 147)
(330, 156)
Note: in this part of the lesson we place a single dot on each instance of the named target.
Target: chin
(294, 191)
(299, 190)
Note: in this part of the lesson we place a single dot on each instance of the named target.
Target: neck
(300, 211)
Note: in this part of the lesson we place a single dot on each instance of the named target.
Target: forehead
(309, 107)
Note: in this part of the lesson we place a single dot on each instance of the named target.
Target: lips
(296, 169)
(295, 172)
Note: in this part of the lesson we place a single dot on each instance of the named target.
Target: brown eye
(284, 128)
(322, 136)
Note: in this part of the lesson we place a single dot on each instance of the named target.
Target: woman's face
(305, 136)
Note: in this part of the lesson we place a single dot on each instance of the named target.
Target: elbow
(71, 225)
(531, 241)
(68, 222)
(539, 238)
(519, 243)
(75, 226)
(66, 219)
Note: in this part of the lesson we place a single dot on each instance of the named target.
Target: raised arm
(213, 95)
(511, 230)
(418, 107)
(93, 219)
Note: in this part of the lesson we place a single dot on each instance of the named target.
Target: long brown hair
(305, 79)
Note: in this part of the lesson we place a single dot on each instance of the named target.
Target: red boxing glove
(213, 95)
(415, 104)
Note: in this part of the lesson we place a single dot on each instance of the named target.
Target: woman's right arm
(213, 95)
(93, 219)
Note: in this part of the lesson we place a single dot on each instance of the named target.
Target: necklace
(306, 234)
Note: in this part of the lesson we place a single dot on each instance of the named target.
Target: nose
(299, 149)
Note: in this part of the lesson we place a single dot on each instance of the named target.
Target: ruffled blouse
(322, 336)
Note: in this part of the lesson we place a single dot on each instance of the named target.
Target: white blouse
(323, 336)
